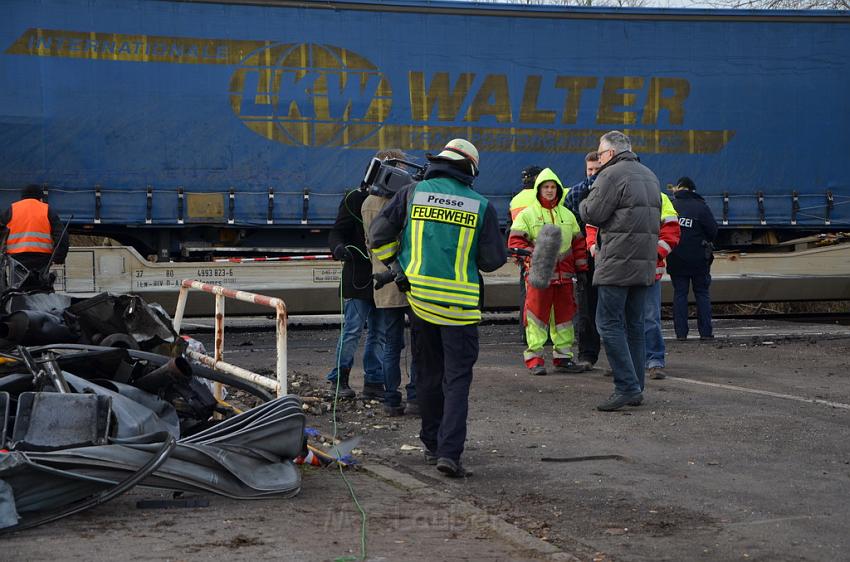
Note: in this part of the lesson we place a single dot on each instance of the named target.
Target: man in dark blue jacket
(690, 262)
(347, 241)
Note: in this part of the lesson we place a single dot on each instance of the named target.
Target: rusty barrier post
(218, 342)
(216, 361)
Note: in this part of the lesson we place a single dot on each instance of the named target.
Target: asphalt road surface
(741, 454)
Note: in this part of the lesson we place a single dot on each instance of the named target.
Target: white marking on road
(740, 332)
(779, 520)
(765, 393)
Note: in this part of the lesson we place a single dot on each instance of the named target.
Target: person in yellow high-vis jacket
(668, 239)
(549, 312)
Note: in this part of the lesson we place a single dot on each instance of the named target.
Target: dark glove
(394, 273)
(341, 253)
(399, 277)
(402, 282)
(381, 279)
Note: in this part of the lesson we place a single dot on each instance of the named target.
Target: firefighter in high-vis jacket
(31, 231)
(436, 235)
(549, 312)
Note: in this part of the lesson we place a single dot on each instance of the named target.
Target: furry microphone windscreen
(545, 256)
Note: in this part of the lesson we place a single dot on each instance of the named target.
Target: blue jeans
(357, 312)
(620, 321)
(700, 284)
(391, 331)
(652, 327)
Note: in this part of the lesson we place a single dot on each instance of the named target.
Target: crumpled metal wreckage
(37, 318)
(84, 423)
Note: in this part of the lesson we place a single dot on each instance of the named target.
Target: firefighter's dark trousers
(446, 355)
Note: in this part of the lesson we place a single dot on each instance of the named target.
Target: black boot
(373, 391)
(345, 391)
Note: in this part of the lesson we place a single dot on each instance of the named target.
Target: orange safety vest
(29, 229)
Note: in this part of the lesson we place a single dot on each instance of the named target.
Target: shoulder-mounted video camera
(384, 177)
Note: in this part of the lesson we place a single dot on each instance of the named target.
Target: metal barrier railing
(216, 362)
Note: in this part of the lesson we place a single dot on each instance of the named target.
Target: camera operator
(347, 241)
(435, 235)
(391, 305)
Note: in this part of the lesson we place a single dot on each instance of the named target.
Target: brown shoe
(657, 373)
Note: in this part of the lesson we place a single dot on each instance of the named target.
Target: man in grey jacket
(625, 204)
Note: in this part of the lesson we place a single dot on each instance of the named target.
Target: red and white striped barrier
(216, 362)
(275, 258)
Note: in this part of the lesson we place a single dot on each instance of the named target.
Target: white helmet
(460, 149)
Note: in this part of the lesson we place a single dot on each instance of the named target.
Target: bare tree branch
(781, 4)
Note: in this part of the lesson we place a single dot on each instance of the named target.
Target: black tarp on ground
(248, 456)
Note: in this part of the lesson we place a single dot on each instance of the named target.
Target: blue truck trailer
(173, 125)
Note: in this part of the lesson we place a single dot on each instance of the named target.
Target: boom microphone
(545, 256)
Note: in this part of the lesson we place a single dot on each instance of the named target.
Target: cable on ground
(335, 451)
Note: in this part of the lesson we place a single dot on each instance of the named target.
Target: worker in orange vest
(32, 231)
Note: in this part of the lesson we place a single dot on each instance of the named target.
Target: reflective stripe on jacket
(438, 252)
(29, 229)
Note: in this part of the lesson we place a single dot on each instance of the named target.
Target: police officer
(436, 235)
(32, 231)
(690, 263)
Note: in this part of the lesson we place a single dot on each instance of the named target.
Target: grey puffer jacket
(625, 204)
